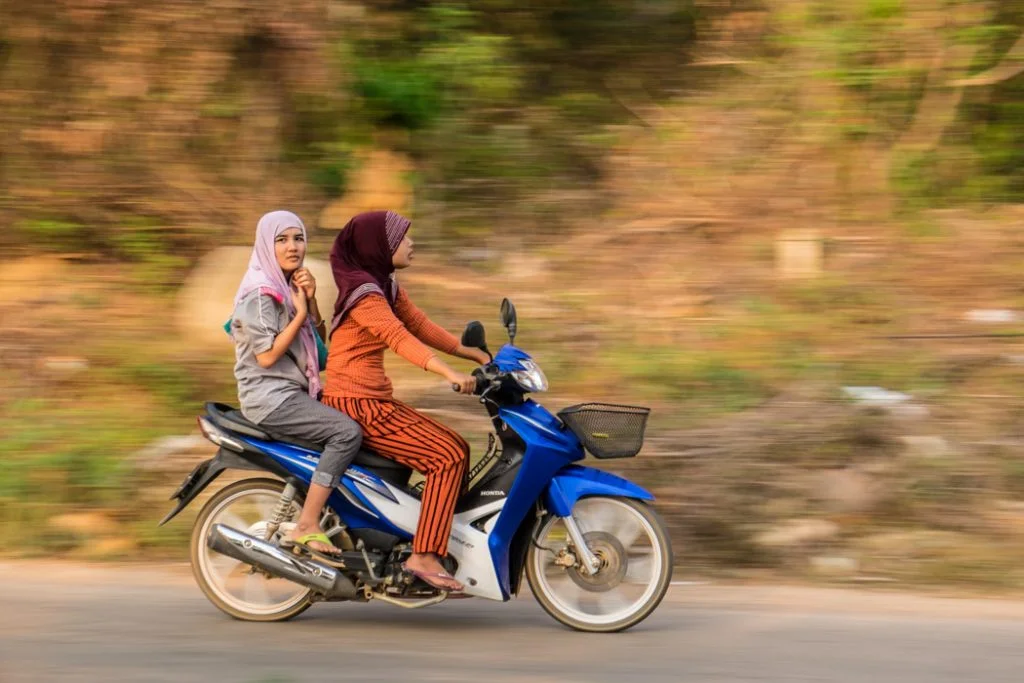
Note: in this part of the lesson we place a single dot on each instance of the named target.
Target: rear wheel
(234, 587)
(629, 540)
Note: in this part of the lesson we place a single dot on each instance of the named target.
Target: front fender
(574, 482)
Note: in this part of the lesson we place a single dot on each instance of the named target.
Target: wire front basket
(607, 430)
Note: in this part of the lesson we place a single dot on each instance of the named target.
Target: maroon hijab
(361, 259)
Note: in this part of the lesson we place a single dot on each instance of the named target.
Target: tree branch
(1012, 64)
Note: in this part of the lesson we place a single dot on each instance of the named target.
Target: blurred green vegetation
(503, 104)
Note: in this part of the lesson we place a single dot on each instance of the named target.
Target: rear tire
(204, 571)
(562, 591)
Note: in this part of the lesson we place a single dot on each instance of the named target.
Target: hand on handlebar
(464, 384)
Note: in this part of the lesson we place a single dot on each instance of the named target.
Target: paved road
(74, 623)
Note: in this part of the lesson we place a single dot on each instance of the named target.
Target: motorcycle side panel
(467, 544)
(348, 499)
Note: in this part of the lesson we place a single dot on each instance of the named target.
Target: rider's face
(290, 248)
(402, 258)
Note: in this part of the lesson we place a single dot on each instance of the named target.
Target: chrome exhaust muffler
(323, 579)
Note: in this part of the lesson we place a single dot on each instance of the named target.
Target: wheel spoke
(571, 594)
(640, 568)
(627, 531)
(611, 602)
(619, 522)
(256, 590)
(232, 520)
(595, 517)
(222, 565)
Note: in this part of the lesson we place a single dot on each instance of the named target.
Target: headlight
(531, 377)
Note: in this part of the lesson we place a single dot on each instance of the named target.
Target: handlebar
(484, 382)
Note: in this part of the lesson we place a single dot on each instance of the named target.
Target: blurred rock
(85, 524)
(345, 11)
(834, 566)
(908, 544)
(926, 446)
(799, 254)
(14, 275)
(1006, 516)
(797, 532)
(65, 364)
(470, 256)
(74, 137)
(893, 402)
(991, 315)
(206, 300)
(524, 267)
(108, 548)
(848, 490)
(377, 183)
(910, 411)
(875, 396)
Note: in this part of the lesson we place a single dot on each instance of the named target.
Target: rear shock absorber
(282, 511)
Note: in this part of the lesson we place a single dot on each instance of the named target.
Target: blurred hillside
(638, 176)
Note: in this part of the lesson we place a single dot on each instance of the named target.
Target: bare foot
(304, 530)
(432, 571)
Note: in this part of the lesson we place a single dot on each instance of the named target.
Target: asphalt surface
(148, 623)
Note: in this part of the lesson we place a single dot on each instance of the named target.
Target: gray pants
(303, 417)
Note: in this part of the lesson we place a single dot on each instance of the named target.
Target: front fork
(588, 562)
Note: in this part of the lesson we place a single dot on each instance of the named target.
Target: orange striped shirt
(355, 360)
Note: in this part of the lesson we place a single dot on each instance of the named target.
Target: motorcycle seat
(231, 419)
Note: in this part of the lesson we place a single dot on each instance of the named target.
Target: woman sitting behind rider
(373, 313)
(277, 365)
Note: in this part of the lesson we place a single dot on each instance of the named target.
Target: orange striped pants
(396, 431)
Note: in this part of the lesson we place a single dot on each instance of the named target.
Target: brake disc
(613, 563)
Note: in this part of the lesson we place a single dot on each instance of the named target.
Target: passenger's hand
(305, 281)
(464, 384)
(299, 301)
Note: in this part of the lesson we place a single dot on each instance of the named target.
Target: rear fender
(574, 482)
(208, 470)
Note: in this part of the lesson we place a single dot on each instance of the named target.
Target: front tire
(630, 539)
(232, 586)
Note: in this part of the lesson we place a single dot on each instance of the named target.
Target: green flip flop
(301, 544)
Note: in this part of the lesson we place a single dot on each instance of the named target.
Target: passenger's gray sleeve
(257, 319)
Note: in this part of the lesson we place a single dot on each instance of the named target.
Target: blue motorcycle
(596, 555)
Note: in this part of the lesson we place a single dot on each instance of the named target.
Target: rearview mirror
(508, 319)
(475, 338)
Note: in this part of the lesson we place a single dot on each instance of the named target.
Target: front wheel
(629, 540)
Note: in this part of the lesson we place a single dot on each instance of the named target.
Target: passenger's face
(290, 248)
(402, 258)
